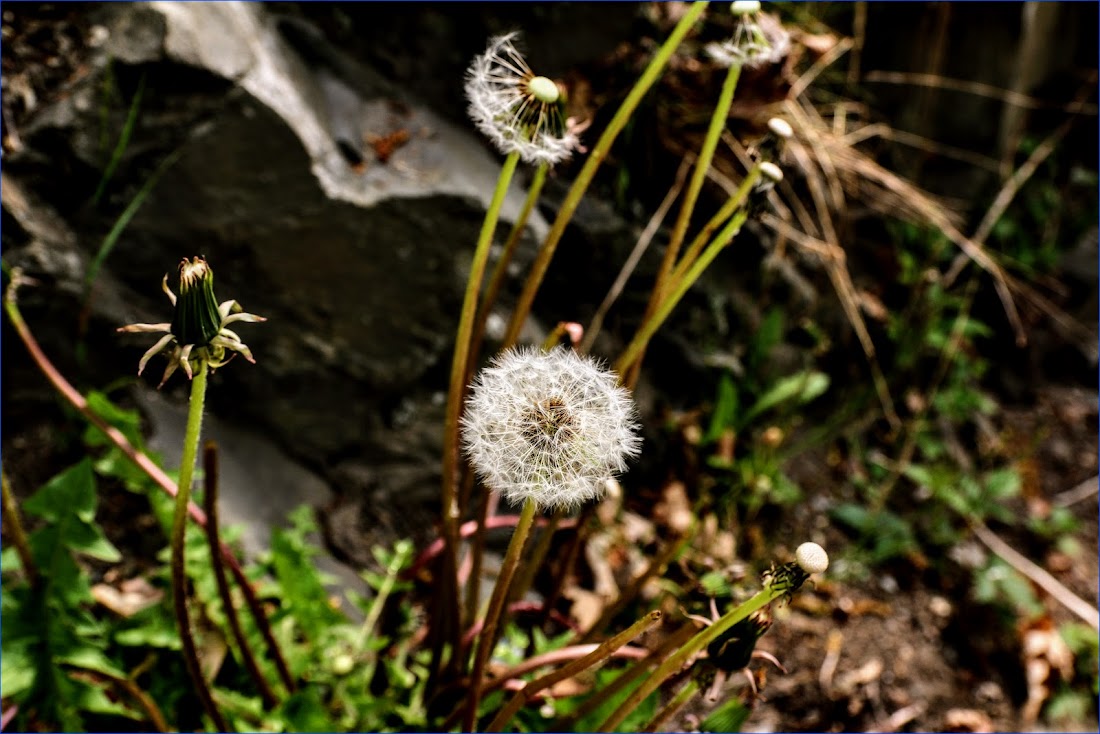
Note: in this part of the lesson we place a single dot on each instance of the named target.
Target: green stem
(591, 164)
(678, 288)
(673, 707)
(624, 681)
(500, 270)
(487, 638)
(450, 508)
(140, 460)
(534, 560)
(732, 204)
(695, 185)
(601, 653)
(179, 527)
(697, 643)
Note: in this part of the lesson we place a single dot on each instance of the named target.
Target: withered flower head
(198, 332)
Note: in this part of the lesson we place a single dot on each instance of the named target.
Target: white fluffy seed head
(812, 558)
(744, 7)
(758, 40)
(548, 426)
(518, 111)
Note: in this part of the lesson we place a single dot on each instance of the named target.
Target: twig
(156, 718)
(1038, 576)
(560, 656)
(1080, 493)
(972, 87)
(803, 82)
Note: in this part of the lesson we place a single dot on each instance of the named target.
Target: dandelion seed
(517, 110)
(551, 427)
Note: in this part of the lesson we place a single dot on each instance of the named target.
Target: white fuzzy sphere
(812, 558)
(549, 426)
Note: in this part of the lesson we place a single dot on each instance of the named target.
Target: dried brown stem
(210, 502)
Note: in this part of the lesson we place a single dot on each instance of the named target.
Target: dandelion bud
(780, 127)
(812, 558)
(198, 330)
(771, 172)
(551, 427)
(745, 7)
(517, 110)
(196, 320)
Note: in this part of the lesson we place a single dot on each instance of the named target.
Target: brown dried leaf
(129, 598)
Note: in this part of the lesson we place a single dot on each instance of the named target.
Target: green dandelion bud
(197, 319)
(198, 332)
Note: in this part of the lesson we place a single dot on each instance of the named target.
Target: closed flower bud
(198, 330)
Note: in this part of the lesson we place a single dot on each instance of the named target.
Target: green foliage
(49, 631)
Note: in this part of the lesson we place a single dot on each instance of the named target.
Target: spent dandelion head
(548, 426)
(198, 332)
(758, 39)
(516, 109)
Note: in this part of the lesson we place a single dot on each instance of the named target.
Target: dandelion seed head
(548, 426)
(758, 40)
(517, 110)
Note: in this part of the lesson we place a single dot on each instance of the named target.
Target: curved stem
(714, 131)
(179, 528)
(140, 460)
(598, 655)
(697, 643)
(487, 640)
(210, 503)
(450, 509)
(677, 289)
(591, 164)
(673, 707)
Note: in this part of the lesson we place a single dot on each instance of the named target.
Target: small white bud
(771, 171)
(744, 7)
(780, 127)
(812, 558)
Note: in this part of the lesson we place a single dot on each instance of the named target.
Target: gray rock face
(324, 200)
